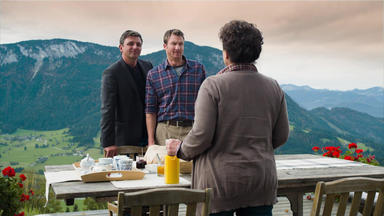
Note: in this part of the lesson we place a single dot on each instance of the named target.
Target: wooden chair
(131, 151)
(156, 198)
(342, 188)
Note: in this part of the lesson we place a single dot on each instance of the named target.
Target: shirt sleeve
(108, 105)
(150, 96)
(280, 131)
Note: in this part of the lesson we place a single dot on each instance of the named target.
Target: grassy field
(35, 149)
(32, 150)
(359, 145)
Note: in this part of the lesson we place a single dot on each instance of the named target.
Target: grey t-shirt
(179, 69)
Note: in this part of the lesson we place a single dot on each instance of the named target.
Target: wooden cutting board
(114, 175)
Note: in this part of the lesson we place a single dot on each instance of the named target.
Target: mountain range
(54, 84)
(370, 101)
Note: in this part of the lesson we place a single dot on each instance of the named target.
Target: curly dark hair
(242, 41)
(129, 33)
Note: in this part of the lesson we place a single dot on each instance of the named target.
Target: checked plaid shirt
(172, 97)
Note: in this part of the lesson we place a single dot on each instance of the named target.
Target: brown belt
(179, 123)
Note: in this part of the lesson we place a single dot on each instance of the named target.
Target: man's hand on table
(110, 151)
(172, 146)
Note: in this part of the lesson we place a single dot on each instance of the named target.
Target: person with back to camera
(240, 119)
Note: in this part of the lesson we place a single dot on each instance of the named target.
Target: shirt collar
(166, 63)
(238, 67)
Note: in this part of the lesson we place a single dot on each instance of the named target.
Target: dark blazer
(122, 107)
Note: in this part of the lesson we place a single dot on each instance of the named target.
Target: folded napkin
(151, 154)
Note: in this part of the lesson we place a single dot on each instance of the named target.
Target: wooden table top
(291, 178)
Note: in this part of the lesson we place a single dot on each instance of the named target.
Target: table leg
(296, 200)
(69, 202)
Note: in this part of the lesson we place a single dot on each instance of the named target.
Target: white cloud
(324, 44)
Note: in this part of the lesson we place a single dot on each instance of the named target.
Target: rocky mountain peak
(56, 50)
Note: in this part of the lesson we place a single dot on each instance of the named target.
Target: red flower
(20, 214)
(309, 197)
(352, 145)
(23, 177)
(24, 197)
(336, 154)
(20, 185)
(31, 192)
(358, 156)
(358, 151)
(9, 171)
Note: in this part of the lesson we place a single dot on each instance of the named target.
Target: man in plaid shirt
(171, 91)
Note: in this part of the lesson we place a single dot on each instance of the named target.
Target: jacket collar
(238, 67)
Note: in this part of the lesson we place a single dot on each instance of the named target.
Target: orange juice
(172, 170)
(160, 170)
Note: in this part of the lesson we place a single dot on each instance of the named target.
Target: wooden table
(296, 176)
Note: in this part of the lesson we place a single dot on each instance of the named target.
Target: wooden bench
(155, 200)
(342, 188)
(363, 200)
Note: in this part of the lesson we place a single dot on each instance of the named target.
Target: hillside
(55, 84)
(50, 85)
(337, 127)
(370, 101)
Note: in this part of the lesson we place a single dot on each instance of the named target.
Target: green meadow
(29, 151)
(32, 150)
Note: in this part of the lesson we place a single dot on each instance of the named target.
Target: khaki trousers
(165, 131)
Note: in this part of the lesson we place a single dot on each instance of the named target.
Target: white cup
(116, 160)
(152, 168)
(125, 164)
(105, 161)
